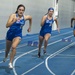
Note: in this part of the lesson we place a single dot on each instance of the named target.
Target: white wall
(66, 12)
(74, 7)
(5, 10)
(35, 8)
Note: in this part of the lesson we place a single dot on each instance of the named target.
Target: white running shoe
(10, 65)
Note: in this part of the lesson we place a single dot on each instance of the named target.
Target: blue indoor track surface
(59, 60)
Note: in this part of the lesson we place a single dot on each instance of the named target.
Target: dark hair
(49, 10)
(21, 5)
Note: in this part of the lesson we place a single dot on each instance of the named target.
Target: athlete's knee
(13, 47)
(41, 37)
(46, 38)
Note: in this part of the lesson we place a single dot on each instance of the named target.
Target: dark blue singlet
(47, 27)
(15, 29)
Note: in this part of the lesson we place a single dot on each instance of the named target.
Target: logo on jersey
(18, 21)
(47, 21)
(50, 22)
(22, 22)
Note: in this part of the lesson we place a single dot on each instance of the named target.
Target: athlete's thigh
(16, 41)
(47, 36)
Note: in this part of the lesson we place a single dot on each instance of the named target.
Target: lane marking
(32, 51)
(54, 54)
(73, 73)
(32, 68)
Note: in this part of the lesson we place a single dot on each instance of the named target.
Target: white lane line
(67, 55)
(32, 51)
(54, 54)
(73, 73)
(32, 68)
(62, 34)
(1, 62)
(25, 43)
(2, 51)
(36, 67)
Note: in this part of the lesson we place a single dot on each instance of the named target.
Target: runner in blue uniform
(15, 24)
(73, 20)
(46, 29)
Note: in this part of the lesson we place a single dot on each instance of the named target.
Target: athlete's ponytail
(16, 12)
(46, 13)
